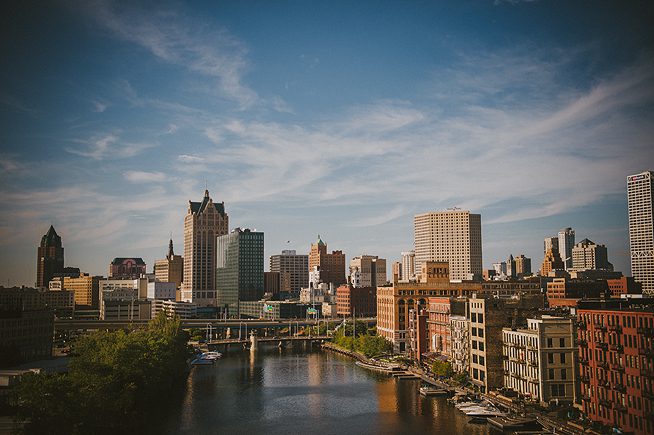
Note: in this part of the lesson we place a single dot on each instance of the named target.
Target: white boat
(429, 391)
(485, 411)
(211, 355)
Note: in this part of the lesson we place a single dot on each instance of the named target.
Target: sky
(343, 119)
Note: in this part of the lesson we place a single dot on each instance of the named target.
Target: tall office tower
(127, 268)
(566, 243)
(204, 222)
(295, 266)
(550, 244)
(640, 196)
(453, 236)
(50, 258)
(408, 265)
(552, 261)
(331, 266)
(367, 271)
(522, 266)
(510, 267)
(239, 273)
(171, 268)
(396, 271)
(589, 255)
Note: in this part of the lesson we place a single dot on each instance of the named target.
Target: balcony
(617, 348)
(604, 383)
(648, 373)
(648, 394)
(647, 332)
(606, 403)
(586, 398)
(599, 326)
(620, 407)
(585, 379)
(584, 362)
(619, 387)
(581, 325)
(646, 352)
(615, 328)
(582, 343)
(602, 345)
(617, 368)
(603, 364)
(533, 363)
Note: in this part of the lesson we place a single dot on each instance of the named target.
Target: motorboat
(485, 411)
(430, 391)
(211, 355)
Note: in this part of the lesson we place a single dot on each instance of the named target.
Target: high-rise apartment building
(589, 255)
(640, 196)
(204, 222)
(522, 266)
(293, 267)
(330, 266)
(367, 271)
(239, 273)
(408, 265)
(550, 243)
(566, 243)
(453, 236)
(171, 268)
(50, 258)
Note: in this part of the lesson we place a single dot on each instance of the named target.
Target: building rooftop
(199, 207)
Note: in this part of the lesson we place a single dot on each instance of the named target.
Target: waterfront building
(616, 355)
(203, 223)
(239, 268)
(551, 262)
(293, 269)
(162, 290)
(460, 343)
(418, 342)
(438, 322)
(453, 236)
(356, 301)
(171, 268)
(50, 258)
(640, 198)
(539, 360)
(589, 255)
(488, 315)
(566, 243)
(26, 326)
(172, 308)
(330, 266)
(408, 266)
(522, 266)
(127, 268)
(367, 271)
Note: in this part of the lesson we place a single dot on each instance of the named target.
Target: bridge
(249, 324)
(301, 338)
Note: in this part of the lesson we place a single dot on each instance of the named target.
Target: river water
(302, 390)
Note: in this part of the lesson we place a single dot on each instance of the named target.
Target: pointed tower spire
(170, 250)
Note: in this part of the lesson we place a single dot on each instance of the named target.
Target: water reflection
(299, 390)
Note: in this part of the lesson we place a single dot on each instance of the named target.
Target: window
(564, 374)
(549, 342)
(550, 358)
(481, 318)
(562, 356)
(561, 342)
(481, 345)
(481, 332)
(474, 358)
(551, 374)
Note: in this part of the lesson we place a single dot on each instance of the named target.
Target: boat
(429, 391)
(211, 355)
(513, 423)
(484, 412)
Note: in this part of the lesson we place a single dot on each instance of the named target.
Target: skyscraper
(171, 268)
(522, 266)
(566, 243)
(204, 222)
(589, 255)
(50, 258)
(408, 265)
(367, 271)
(295, 266)
(239, 274)
(453, 236)
(640, 196)
(550, 244)
(330, 266)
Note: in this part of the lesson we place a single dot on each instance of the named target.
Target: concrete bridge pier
(253, 342)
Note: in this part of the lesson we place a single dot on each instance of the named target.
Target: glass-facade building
(239, 271)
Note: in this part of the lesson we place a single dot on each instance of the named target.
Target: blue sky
(336, 118)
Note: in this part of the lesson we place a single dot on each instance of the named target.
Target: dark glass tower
(50, 259)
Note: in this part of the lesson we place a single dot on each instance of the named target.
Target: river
(303, 390)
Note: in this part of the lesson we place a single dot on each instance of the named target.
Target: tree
(442, 368)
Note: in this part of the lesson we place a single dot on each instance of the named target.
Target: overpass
(249, 324)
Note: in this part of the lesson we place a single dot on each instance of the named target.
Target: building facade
(587, 255)
(640, 197)
(367, 271)
(50, 258)
(86, 289)
(171, 268)
(356, 301)
(616, 356)
(566, 243)
(330, 266)
(522, 266)
(460, 340)
(453, 236)
(239, 271)
(293, 267)
(540, 360)
(127, 268)
(551, 262)
(408, 266)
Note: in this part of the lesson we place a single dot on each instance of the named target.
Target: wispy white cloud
(108, 146)
(144, 176)
(99, 106)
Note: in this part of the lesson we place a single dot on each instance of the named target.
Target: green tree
(442, 368)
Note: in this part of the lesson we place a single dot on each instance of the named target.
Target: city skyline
(115, 116)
